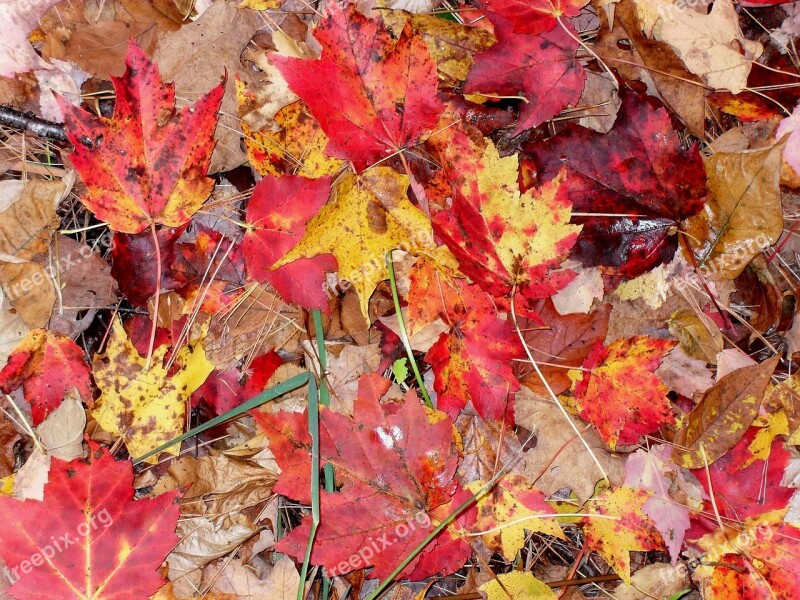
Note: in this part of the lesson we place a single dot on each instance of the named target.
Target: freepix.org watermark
(361, 558)
(57, 545)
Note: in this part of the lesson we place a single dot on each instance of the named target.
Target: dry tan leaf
(659, 580)
(259, 322)
(730, 360)
(722, 416)
(711, 45)
(625, 48)
(743, 214)
(481, 441)
(9, 436)
(232, 577)
(683, 374)
(28, 216)
(698, 335)
(85, 281)
(559, 459)
(205, 539)
(196, 56)
(62, 430)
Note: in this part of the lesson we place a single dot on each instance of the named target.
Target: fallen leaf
(723, 415)
(145, 407)
(743, 215)
(519, 585)
(147, 164)
(17, 54)
(369, 216)
(392, 484)
(88, 537)
(619, 393)
(276, 219)
(697, 334)
(47, 366)
(629, 530)
(542, 69)
(537, 16)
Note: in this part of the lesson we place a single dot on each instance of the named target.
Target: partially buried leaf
(536, 16)
(520, 585)
(148, 163)
(397, 475)
(723, 415)
(743, 215)
(369, 216)
(563, 342)
(91, 538)
(697, 333)
(619, 392)
(46, 365)
(507, 510)
(145, 408)
(372, 95)
(543, 69)
(20, 18)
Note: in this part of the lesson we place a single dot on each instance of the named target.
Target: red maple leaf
(88, 538)
(639, 171)
(396, 465)
(223, 390)
(47, 365)
(542, 68)
(621, 395)
(277, 216)
(372, 95)
(148, 163)
(536, 16)
(471, 361)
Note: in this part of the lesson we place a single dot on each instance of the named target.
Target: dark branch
(11, 117)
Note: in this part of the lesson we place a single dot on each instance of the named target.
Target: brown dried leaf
(723, 415)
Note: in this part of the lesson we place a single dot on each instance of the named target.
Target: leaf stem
(404, 334)
(154, 326)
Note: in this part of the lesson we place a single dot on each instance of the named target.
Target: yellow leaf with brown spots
(511, 507)
(615, 525)
(723, 415)
(297, 148)
(369, 216)
(145, 408)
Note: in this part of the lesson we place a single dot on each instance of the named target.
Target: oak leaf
(397, 474)
(148, 163)
(88, 538)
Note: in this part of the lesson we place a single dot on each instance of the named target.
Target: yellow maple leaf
(617, 525)
(518, 585)
(510, 508)
(146, 408)
(369, 216)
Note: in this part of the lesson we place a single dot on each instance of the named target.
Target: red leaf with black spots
(639, 171)
(147, 164)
